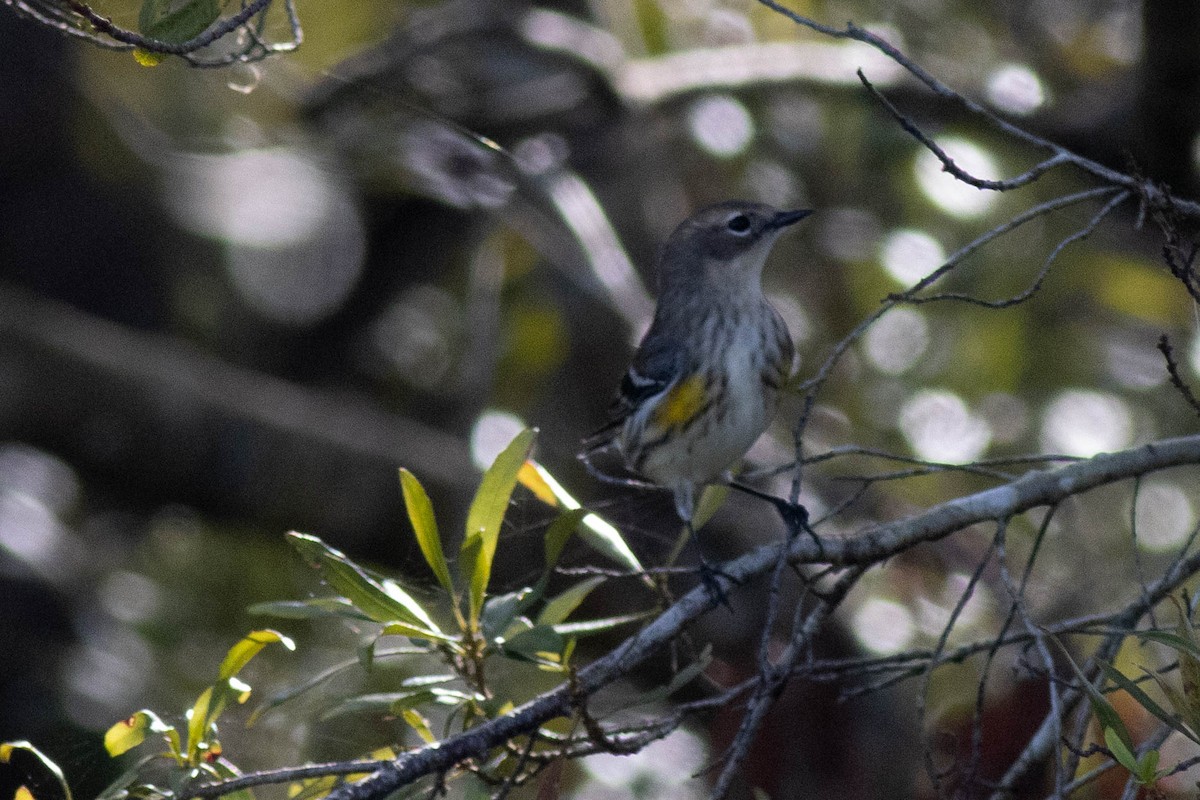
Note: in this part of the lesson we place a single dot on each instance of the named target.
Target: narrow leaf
(1145, 701)
(416, 632)
(390, 702)
(531, 477)
(711, 500)
(590, 626)
(485, 516)
(381, 601)
(500, 610)
(1120, 751)
(6, 751)
(562, 606)
(285, 695)
(313, 608)
(1105, 713)
(559, 533)
(1172, 640)
(419, 724)
(251, 644)
(599, 534)
(535, 644)
(198, 718)
(1149, 766)
(420, 514)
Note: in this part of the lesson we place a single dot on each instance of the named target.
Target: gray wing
(657, 365)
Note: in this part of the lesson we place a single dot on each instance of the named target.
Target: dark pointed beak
(785, 218)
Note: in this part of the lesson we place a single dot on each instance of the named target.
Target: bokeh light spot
(909, 255)
(721, 125)
(416, 335)
(948, 193)
(1165, 516)
(1016, 88)
(939, 427)
(295, 239)
(1083, 423)
(883, 626)
(664, 768)
(491, 434)
(848, 234)
(897, 340)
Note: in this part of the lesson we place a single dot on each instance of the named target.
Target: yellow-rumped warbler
(705, 381)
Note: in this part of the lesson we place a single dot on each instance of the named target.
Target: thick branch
(867, 548)
(1035, 489)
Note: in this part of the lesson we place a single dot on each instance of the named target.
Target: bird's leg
(710, 573)
(795, 516)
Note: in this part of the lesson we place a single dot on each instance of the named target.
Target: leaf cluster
(463, 630)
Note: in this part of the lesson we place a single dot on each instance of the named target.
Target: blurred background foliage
(233, 302)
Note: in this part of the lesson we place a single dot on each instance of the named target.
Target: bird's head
(724, 245)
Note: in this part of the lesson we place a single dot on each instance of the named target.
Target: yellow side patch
(681, 403)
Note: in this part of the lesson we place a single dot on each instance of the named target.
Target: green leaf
(198, 718)
(420, 514)
(559, 533)
(1105, 713)
(416, 632)
(1150, 767)
(1121, 752)
(711, 500)
(535, 644)
(392, 702)
(119, 788)
(1172, 640)
(419, 724)
(1144, 700)
(590, 626)
(485, 516)
(599, 534)
(562, 606)
(500, 611)
(312, 608)
(6, 751)
(381, 600)
(251, 644)
(131, 731)
(412, 700)
(281, 697)
(177, 21)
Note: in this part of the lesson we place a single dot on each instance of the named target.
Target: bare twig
(1164, 347)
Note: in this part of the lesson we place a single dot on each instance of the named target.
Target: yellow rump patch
(681, 403)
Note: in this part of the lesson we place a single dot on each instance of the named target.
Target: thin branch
(1043, 742)
(1164, 347)
(1154, 195)
(1041, 209)
(773, 678)
(948, 164)
(1040, 278)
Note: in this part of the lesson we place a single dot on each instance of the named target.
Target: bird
(706, 379)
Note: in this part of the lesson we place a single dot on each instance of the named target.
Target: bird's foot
(710, 577)
(795, 515)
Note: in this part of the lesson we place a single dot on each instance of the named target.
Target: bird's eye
(739, 224)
